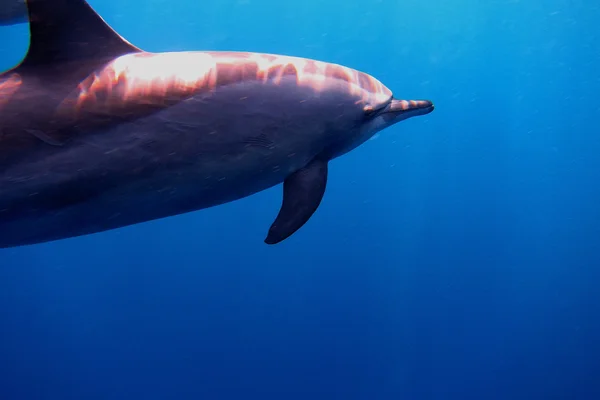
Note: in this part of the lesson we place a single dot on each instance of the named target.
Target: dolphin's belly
(199, 153)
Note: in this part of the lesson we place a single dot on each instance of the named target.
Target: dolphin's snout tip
(426, 105)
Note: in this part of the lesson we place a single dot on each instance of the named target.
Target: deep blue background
(454, 257)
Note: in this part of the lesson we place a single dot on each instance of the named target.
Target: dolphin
(97, 134)
(12, 12)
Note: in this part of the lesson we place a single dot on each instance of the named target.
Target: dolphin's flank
(96, 134)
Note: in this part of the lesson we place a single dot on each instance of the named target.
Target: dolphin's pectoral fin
(302, 194)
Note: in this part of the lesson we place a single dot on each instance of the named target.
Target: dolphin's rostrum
(96, 134)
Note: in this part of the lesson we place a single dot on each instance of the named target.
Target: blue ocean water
(454, 257)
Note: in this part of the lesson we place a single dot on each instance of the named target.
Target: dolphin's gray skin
(96, 134)
(12, 12)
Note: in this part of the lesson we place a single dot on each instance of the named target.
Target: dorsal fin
(68, 30)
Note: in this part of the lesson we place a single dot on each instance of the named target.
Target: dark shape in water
(12, 12)
(96, 134)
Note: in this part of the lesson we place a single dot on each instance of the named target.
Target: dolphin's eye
(370, 110)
